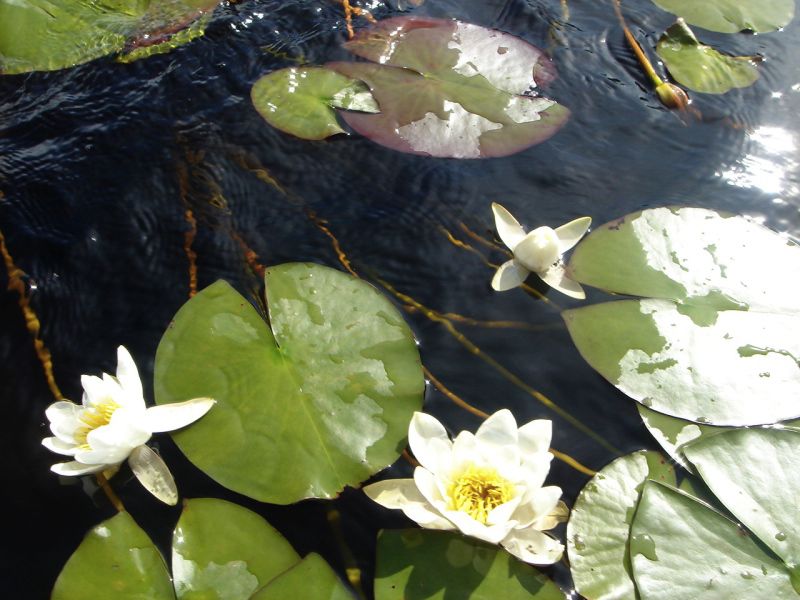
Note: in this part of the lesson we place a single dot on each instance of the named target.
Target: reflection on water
(99, 165)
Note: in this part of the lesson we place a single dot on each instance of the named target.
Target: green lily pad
(682, 548)
(418, 564)
(700, 67)
(718, 341)
(600, 523)
(730, 16)
(301, 100)
(117, 559)
(231, 565)
(320, 400)
(752, 472)
(451, 89)
(310, 579)
(46, 35)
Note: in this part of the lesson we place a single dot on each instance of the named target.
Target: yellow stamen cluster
(477, 490)
(94, 417)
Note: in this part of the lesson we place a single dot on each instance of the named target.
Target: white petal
(153, 473)
(534, 470)
(59, 446)
(96, 390)
(427, 485)
(64, 421)
(128, 376)
(508, 228)
(539, 504)
(508, 276)
(535, 436)
(465, 452)
(500, 429)
(429, 442)
(404, 494)
(74, 468)
(538, 250)
(532, 546)
(560, 514)
(168, 417)
(503, 513)
(556, 277)
(469, 526)
(570, 233)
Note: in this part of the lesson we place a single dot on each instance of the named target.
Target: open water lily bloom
(113, 424)
(488, 485)
(538, 251)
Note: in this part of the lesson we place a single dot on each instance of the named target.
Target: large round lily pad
(416, 564)
(117, 558)
(718, 341)
(310, 579)
(46, 35)
(319, 399)
(451, 89)
(682, 548)
(223, 550)
(600, 523)
(730, 16)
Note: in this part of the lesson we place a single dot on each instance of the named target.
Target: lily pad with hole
(115, 558)
(301, 101)
(418, 564)
(730, 16)
(233, 565)
(319, 398)
(683, 548)
(717, 341)
(600, 523)
(451, 89)
(702, 68)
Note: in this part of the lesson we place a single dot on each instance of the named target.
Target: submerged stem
(110, 493)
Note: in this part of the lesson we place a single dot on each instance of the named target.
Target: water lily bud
(672, 96)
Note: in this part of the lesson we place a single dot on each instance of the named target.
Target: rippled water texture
(99, 164)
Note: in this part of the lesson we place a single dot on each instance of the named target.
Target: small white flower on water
(538, 251)
(113, 424)
(487, 485)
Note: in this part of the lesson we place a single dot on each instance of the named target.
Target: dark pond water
(98, 164)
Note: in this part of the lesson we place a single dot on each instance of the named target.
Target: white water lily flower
(113, 424)
(487, 485)
(538, 251)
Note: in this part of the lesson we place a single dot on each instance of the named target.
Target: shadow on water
(99, 165)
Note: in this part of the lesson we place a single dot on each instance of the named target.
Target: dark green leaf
(310, 579)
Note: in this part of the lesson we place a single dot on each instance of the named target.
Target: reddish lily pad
(452, 89)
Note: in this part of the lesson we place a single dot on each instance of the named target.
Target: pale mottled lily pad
(418, 564)
(46, 35)
(683, 548)
(752, 472)
(719, 341)
(451, 89)
(730, 16)
(700, 67)
(600, 523)
(222, 550)
(319, 399)
(117, 557)
(301, 101)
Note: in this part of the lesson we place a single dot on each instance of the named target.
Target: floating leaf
(45, 35)
(752, 472)
(700, 67)
(319, 401)
(222, 550)
(600, 523)
(730, 16)
(117, 559)
(417, 564)
(451, 89)
(682, 548)
(310, 579)
(300, 101)
(720, 341)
